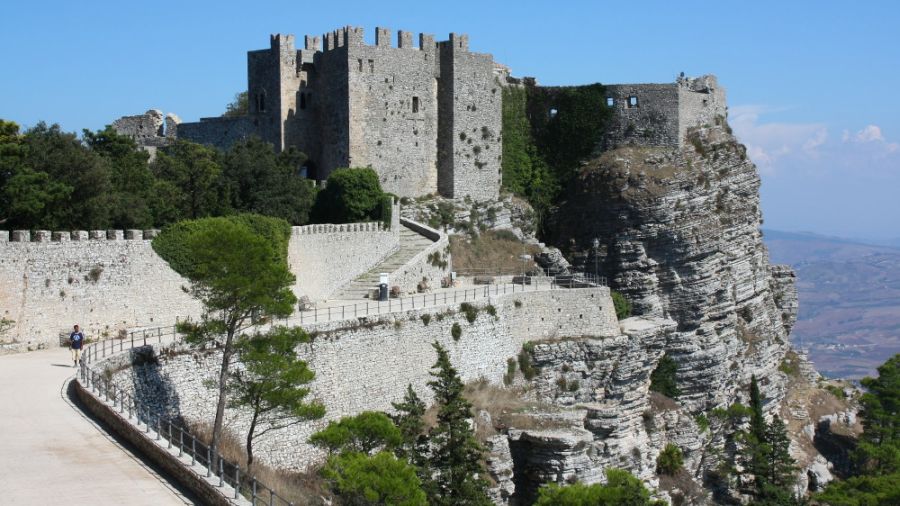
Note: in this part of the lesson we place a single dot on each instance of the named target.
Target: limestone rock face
(676, 230)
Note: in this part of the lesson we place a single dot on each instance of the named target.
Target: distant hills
(849, 299)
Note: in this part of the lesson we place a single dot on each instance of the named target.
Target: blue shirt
(77, 339)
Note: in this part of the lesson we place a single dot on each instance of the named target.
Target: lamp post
(596, 244)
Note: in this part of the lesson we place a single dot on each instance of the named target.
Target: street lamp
(596, 255)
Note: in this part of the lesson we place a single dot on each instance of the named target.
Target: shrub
(836, 391)
(491, 310)
(574, 385)
(361, 433)
(352, 195)
(358, 478)
(670, 460)
(456, 331)
(510, 371)
(528, 369)
(622, 305)
(663, 380)
(562, 384)
(94, 274)
(426, 319)
(621, 489)
(702, 422)
(470, 311)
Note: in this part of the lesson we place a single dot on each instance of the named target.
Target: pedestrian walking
(76, 343)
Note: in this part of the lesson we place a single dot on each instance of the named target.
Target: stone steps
(411, 244)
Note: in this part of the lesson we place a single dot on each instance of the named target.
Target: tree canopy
(621, 489)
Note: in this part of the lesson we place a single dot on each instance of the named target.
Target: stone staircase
(411, 243)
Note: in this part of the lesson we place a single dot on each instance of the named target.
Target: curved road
(51, 453)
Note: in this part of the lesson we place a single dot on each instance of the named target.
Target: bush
(363, 433)
(528, 369)
(510, 371)
(351, 195)
(470, 311)
(491, 310)
(621, 489)
(670, 460)
(456, 331)
(702, 422)
(663, 379)
(361, 479)
(426, 319)
(622, 305)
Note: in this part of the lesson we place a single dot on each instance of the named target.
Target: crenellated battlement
(330, 228)
(23, 236)
(354, 36)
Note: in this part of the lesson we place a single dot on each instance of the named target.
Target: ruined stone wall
(393, 113)
(366, 365)
(643, 115)
(471, 122)
(327, 257)
(222, 132)
(701, 102)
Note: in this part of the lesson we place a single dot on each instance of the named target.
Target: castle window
(360, 64)
(610, 101)
(553, 112)
(303, 100)
(372, 66)
(632, 101)
(261, 102)
(415, 104)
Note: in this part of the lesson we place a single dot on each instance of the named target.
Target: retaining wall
(106, 280)
(366, 364)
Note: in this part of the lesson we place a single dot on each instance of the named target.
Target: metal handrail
(158, 426)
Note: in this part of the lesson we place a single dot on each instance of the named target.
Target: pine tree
(757, 420)
(409, 420)
(454, 462)
(779, 463)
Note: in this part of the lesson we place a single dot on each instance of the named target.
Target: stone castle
(426, 117)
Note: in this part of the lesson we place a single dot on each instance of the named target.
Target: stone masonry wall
(110, 280)
(367, 364)
(326, 257)
(644, 114)
(100, 280)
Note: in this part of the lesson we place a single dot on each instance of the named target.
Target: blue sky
(812, 85)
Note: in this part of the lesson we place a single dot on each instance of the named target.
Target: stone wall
(101, 280)
(643, 114)
(110, 280)
(367, 364)
(327, 257)
(221, 132)
(420, 268)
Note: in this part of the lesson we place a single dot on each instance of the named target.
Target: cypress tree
(454, 463)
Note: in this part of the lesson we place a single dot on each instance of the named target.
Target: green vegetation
(670, 460)
(702, 422)
(362, 479)
(239, 274)
(663, 378)
(496, 250)
(621, 489)
(876, 460)
(622, 305)
(542, 151)
(454, 463)
(240, 106)
(528, 369)
(408, 418)
(511, 367)
(271, 385)
(352, 195)
(456, 331)
(836, 391)
(470, 311)
(426, 318)
(363, 433)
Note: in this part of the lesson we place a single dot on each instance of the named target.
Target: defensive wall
(107, 280)
(366, 363)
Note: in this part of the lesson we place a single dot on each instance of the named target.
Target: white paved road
(51, 453)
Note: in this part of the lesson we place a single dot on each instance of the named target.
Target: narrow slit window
(372, 66)
(360, 64)
(303, 100)
(415, 104)
(610, 101)
(632, 101)
(262, 102)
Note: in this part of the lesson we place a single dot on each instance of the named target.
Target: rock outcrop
(677, 232)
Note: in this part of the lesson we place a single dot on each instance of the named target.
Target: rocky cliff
(677, 231)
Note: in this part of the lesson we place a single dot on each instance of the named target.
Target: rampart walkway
(51, 453)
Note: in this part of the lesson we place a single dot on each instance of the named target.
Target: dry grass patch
(495, 252)
(306, 488)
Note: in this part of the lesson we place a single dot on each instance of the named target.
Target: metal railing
(368, 308)
(159, 427)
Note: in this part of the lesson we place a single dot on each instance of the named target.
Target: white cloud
(781, 146)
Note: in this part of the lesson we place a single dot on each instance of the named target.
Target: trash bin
(383, 287)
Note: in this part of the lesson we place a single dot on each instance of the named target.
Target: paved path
(51, 453)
